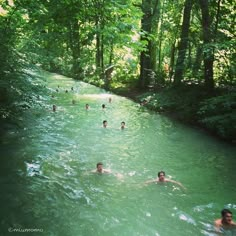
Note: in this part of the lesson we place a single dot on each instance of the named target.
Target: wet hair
(161, 172)
(99, 163)
(123, 122)
(225, 211)
(104, 121)
(54, 107)
(103, 106)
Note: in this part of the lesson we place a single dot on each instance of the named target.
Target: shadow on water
(46, 181)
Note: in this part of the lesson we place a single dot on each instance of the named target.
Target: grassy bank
(192, 105)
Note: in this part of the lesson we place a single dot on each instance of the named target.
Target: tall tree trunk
(183, 44)
(145, 54)
(208, 53)
(111, 53)
(148, 56)
(160, 34)
(98, 45)
(189, 64)
(172, 60)
(197, 62)
(75, 45)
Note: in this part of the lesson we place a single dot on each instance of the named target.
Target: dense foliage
(187, 47)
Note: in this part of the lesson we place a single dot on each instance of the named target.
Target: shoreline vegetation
(181, 55)
(191, 105)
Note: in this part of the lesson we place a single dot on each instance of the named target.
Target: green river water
(46, 183)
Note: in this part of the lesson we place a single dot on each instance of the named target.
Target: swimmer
(109, 99)
(72, 88)
(73, 102)
(162, 179)
(66, 91)
(54, 108)
(226, 221)
(87, 106)
(103, 106)
(100, 169)
(104, 124)
(57, 90)
(122, 125)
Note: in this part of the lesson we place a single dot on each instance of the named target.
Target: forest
(177, 56)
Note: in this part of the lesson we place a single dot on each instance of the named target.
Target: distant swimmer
(109, 99)
(73, 102)
(226, 221)
(103, 106)
(162, 179)
(57, 90)
(87, 106)
(104, 124)
(66, 91)
(100, 169)
(122, 125)
(72, 88)
(54, 108)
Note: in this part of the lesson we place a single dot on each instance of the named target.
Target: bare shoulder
(170, 180)
(218, 223)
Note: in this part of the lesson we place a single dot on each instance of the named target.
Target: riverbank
(192, 105)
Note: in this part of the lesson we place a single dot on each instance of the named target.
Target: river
(47, 184)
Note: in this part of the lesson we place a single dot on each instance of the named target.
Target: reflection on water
(46, 181)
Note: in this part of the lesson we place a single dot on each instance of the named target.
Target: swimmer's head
(227, 216)
(99, 167)
(161, 175)
(54, 107)
(122, 125)
(104, 123)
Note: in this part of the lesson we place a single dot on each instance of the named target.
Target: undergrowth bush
(218, 114)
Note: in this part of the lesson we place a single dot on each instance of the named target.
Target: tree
(183, 44)
(148, 25)
(208, 51)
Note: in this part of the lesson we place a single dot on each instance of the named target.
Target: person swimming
(54, 108)
(226, 222)
(87, 106)
(122, 125)
(99, 169)
(162, 179)
(104, 124)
